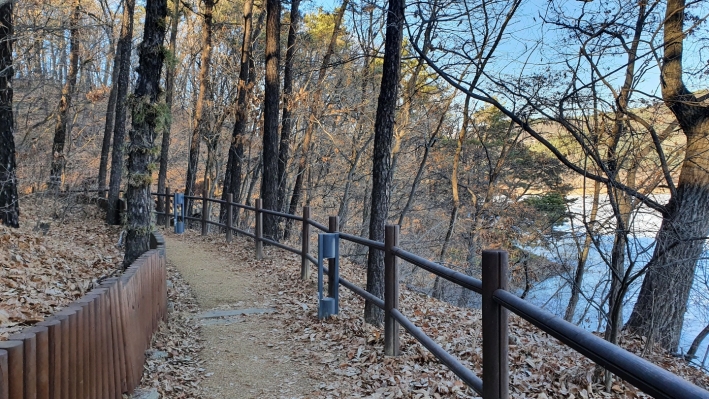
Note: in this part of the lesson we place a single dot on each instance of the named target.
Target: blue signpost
(328, 248)
(179, 212)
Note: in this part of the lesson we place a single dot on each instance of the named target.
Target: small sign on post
(328, 248)
(179, 213)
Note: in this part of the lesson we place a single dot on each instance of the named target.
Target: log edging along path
(94, 347)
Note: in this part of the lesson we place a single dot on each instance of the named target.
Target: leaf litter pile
(172, 365)
(61, 250)
(350, 353)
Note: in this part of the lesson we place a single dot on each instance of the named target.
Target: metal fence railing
(497, 302)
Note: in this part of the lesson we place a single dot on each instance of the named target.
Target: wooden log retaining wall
(95, 347)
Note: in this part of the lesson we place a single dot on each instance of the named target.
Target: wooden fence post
(29, 369)
(167, 208)
(332, 283)
(205, 208)
(496, 372)
(305, 245)
(391, 290)
(229, 207)
(15, 368)
(259, 229)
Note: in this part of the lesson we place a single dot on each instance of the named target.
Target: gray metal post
(229, 207)
(496, 372)
(391, 290)
(305, 245)
(167, 216)
(259, 229)
(205, 208)
(333, 226)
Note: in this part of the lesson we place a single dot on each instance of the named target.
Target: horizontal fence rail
(95, 347)
(496, 304)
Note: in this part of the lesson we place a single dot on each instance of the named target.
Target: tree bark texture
(125, 45)
(169, 94)
(287, 122)
(269, 179)
(9, 201)
(232, 175)
(662, 301)
(56, 172)
(109, 124)
(149, 116)
(204, 96)
(381, 169)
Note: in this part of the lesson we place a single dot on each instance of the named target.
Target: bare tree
(169, 96)
(203, 97)
(125, 45)
(381, 168)
(9, 201)
(61, 126)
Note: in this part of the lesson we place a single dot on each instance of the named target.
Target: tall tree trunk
(287, 122)
(149, 116)
(269, 177)
(438, 283)
(232, 175)
(119, 129)
(110, 122)
(9, 201)
(200, 128)
(169, 94)
(314, 115)
(56, 173)
(662, 301)
(381, 168)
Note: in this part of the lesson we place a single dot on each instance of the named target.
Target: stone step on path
(236, 326)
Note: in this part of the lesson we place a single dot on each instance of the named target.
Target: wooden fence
(95, 347)
(497, 302)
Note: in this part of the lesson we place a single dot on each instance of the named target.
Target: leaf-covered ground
(350, 352)
(61, 249)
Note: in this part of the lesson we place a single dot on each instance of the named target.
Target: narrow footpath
(244, 353)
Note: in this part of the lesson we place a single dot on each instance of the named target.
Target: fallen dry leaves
(172, 363)
(43, 272)
(60, 251)
(346, 355)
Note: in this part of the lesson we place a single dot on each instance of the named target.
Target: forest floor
(282, 350)
(273, 345)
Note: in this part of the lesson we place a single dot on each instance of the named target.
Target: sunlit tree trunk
(288, 104)
(204, 96)
(119, 129)
(56, 173)
(109, 124)
(662, 301)
(232, 175)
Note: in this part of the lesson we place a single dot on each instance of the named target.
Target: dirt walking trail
(243, 343)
